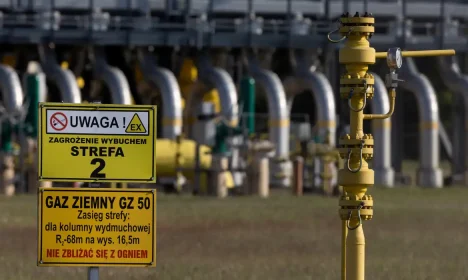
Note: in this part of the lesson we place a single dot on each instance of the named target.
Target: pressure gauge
(394, 58)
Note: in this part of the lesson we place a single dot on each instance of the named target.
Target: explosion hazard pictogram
(135, 125)
(58, 121)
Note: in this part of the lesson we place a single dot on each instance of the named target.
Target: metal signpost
(95, 227)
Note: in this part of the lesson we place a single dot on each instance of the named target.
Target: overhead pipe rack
(235, 23)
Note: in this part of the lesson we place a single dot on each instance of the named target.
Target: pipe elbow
(222, 81)
(66, 83)
(11, 88)
(420, 85)
(274, 89)
(167, 84)
(387, 115)
(117, 83)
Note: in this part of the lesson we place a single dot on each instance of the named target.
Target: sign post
(93, 227)
(93, 271)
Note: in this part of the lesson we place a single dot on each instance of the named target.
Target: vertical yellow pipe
(356, 147)
(355, 252)
(344, 234)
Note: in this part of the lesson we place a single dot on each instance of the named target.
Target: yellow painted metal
(168, 163)
(9, 59)
(138, 73)
(278, 123)
(64, 65)
(419, 53)
(328, 155)
(344, 235)
(322, 123)
(115, 185)
(170, 121)
(356, 148)
(213, 97)
(96, 227)
(392, 96)
(188, 72)
(81, 82)
(116, 145)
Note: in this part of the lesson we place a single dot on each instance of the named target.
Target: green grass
(415, 234)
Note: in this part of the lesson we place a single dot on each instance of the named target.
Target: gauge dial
(394, 58)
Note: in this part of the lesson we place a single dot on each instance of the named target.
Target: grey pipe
(278, 121)
(307, 78)
(11, 89)
(114, 78)
(456, 81)
(429, 173)
(382, 161)
(170, 92)
(34, 68)
(218, 78)
(66, 82)
(210, 77)
(63, 78)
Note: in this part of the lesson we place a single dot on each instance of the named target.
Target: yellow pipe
(9, 59)
(390, 110)
(344, 235)
(419, 53)
(356, 148)
(64, 65)
(81, 82)
(213, 97)
(167, 163)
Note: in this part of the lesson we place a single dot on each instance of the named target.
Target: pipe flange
(349, 205)
(358, 81)
(357, 85)
(357, 24)
(364, 146)
(346, 140)
(356, 90)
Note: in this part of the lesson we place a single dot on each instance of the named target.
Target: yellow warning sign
(97, 143)
(135, 125)
(96, 227)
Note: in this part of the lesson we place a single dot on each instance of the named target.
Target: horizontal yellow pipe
(167, 164)
(419, 53)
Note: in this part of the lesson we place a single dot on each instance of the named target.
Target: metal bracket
(391, 79)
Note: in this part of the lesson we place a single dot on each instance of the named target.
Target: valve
(356, 86)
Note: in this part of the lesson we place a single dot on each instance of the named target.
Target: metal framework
(227, 23)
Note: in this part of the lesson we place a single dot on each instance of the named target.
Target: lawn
(415, 234)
